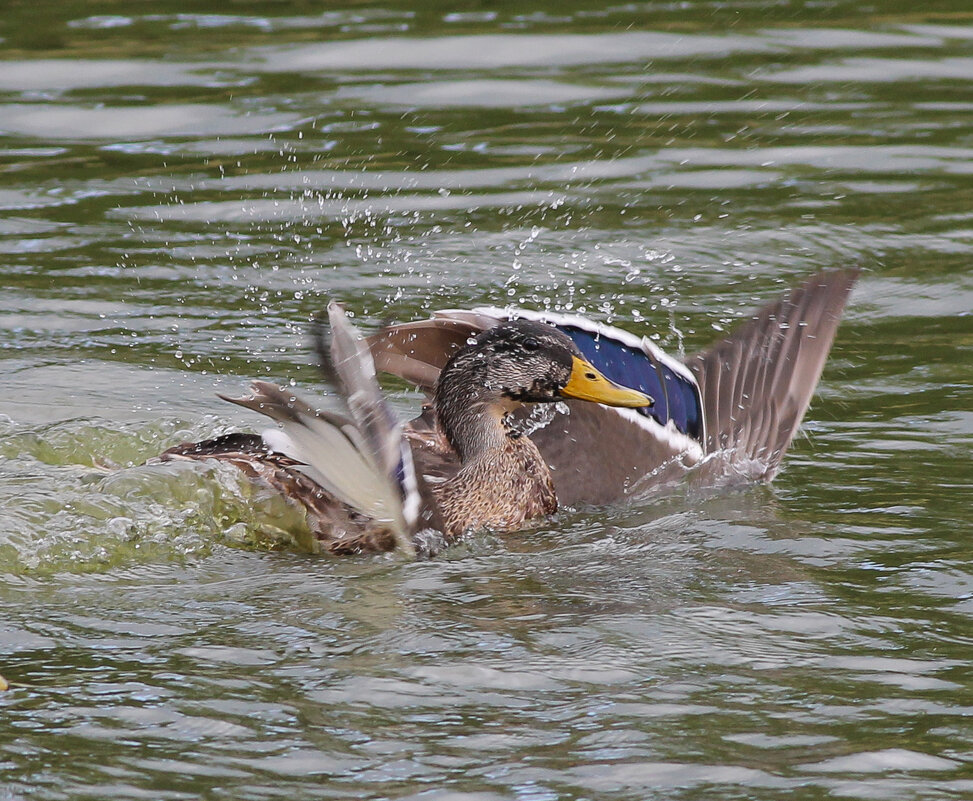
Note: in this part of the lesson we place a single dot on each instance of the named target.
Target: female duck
(464, 465)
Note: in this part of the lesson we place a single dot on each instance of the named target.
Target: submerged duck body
(529, 411)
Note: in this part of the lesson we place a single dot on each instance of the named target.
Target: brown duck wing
(417, 351)
(757, 383)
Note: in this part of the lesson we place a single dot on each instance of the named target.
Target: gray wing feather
(354, 369)
(757, 383)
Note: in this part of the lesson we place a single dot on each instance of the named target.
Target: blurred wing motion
(745, 396)
(364, 462)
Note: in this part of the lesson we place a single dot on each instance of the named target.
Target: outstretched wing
(745, 396)
(757, 383)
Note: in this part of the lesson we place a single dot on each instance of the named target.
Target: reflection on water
(182, 191)
(66, 122)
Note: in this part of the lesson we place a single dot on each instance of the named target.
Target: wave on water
(77, 496)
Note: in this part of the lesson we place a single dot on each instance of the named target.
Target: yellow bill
(586, 383)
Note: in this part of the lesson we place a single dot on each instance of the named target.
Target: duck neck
(503, 480)
(475, 423)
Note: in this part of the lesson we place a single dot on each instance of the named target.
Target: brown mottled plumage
(500, 490)
(339, 528)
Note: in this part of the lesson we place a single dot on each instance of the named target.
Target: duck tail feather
(757, 383)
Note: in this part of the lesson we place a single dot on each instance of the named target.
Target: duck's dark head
(517, 362)
(513, 363)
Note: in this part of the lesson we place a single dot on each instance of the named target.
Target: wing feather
(757, 383)
(331, 452)
(363, 461)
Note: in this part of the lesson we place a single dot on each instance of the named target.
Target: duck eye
(531, 344)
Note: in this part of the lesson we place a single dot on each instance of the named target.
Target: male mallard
(529, 410)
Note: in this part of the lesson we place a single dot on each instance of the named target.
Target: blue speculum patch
(676, 397)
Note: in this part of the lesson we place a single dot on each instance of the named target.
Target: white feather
(332, 459)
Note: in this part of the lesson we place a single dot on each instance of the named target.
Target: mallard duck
(528, 411)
